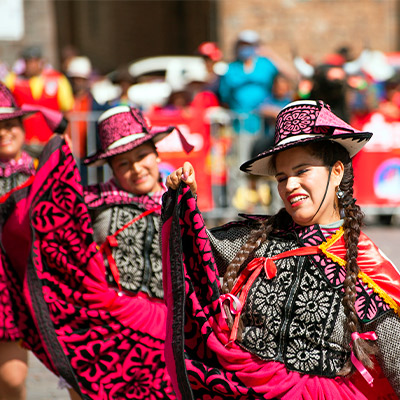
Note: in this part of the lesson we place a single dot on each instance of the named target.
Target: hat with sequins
(303, 122)
(122, 129)
(8, 106)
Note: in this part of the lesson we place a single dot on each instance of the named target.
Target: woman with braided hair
(298, 305)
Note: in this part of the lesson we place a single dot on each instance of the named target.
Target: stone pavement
(43, 384)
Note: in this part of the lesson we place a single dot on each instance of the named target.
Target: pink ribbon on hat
(185, 144)
(53, 118)
(235, 305)
(356, 362)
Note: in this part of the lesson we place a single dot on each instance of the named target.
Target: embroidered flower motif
(296, 122)
(139, 386)
(62, 245)
(156, 285)
(130, 277)
(60, 310)
(269, 300)
(260, 342)
(94, 360)
(313, 306)
(302, 355)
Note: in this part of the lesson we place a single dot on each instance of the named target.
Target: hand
(64, 136)
(185, 174)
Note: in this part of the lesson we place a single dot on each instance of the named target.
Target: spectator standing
(247, 83)
(211, 55)
(79, 71)
(124, 80)
(330, 85)
(39, 85)
(262, 192)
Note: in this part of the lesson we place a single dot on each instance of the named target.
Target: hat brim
(14, 113)
(261, 164)
(100, 157)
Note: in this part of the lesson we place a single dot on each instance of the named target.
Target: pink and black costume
(135, 250)
(293, 344)
(102, 343)
(100, 322)
(13, 175)
(287, 294)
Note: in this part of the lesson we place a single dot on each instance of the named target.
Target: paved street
(42, 384)
(387, 238)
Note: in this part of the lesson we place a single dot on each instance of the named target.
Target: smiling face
(12, 137)
(302, 179)
(137, 170)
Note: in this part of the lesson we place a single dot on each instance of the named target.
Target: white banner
(11, 19)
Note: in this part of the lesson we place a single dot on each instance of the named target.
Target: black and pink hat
(8, 106)
(303, 122)
(9, 110)
(123, 128)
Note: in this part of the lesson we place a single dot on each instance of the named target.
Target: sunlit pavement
(43, 384)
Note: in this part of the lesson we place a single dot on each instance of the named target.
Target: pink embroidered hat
(8, 106)
(9, 110)
(303, 122)
(123, 128)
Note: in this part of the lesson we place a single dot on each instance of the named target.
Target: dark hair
(329, 152)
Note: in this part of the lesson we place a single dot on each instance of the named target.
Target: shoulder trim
(365, 278)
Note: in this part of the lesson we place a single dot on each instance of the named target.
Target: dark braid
(330, 152)
(257, 237)
(353, 220)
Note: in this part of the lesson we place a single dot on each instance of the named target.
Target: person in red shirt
(41, 85)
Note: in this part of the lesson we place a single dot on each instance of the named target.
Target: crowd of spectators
(251, 89)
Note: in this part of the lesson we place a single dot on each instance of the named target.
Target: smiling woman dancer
(308, 304)
(126, 210)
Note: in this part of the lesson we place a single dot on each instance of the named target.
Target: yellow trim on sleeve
(380, 292)
(333, 239)
(361, 275)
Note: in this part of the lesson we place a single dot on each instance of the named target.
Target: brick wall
(313, 28)
(39, 30)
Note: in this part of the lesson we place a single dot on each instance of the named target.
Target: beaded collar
(24, 165)
(110, 193)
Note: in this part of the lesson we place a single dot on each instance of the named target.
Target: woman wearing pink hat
(307, 304)
(17, 169)
(126, 210)
(100, 322)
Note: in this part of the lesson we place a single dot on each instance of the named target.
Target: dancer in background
(105, 342)
(40, 85)
(308, 304)
(126, 210)
(17, 170)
